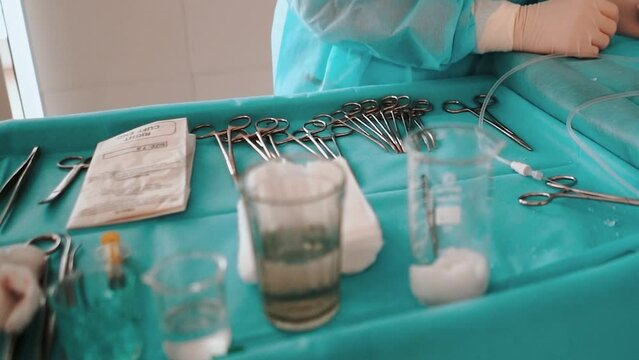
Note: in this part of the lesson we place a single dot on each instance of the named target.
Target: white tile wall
(233, 84)
(98, 98)
(96, 55)
(236, 40)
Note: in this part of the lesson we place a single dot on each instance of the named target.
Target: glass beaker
(294, 206)
(449, 177)
(97, 319)
(190, 292)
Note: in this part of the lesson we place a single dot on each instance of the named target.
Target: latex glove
(628, 17)
(578, 28)
(20, 297)
(20, 294)
(25, 255)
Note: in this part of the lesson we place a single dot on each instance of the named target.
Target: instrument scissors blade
(75, 164)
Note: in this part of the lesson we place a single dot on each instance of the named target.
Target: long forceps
(282, 136)
(237, 125)
(369, 108)
(75, 164)
(458, 107)
(349, 120)
(336, 128)
(211, 132)
(13, 185)
(265, 128)
(55, 243)
(311, 128)
(565, 185)
(11, 339)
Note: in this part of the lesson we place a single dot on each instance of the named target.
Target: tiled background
(98, 55)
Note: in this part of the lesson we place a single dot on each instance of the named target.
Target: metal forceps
(54, 243)
(282, 136)
(211, 132)
(458, 107)
(417, 109)
(13, 185)
(389, 105)
(266, 127)
(565, 185)
(237, 124)
(9, 352)
(58, 243)
(336, 128)
(73, 163)
(370, 107)
(313, 129)
(310, 131)
(350, 111)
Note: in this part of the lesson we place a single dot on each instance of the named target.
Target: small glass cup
(294, 207)
(449, 176)
(190, 291)
(97, 317)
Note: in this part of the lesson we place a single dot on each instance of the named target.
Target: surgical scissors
(565, 185)
(458, 107)
(73, 163)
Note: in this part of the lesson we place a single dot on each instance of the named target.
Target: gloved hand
(20, 297)
(578, 28)
(25, 255)
(628, 17)
(20, 293)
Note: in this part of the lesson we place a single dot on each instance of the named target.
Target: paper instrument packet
(142, 173)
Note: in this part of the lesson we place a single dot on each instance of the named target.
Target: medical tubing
(503, 160)
(503, 78)
(532, 61)
(588, 150)
(525, 169)
(521, 168)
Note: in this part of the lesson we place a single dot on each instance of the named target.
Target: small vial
(112, 254)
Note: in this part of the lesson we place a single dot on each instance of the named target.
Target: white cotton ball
(458, 273)
(204, 348)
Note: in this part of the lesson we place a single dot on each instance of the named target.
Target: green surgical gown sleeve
(324, 44)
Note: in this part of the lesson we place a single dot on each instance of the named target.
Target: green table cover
(564, 280)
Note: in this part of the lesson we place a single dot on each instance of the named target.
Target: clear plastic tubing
(573, 135)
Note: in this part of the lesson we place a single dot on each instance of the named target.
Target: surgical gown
(328, 44)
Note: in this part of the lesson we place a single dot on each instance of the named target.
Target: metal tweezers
(12, 186)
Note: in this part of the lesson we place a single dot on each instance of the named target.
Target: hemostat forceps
(458, 107)
(236, 125)
(565, 185)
